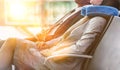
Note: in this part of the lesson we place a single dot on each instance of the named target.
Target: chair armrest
(69, 55)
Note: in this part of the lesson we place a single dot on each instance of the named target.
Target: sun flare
(17, 10)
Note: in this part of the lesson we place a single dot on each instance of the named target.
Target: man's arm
(93, 29)
(31, 39)
(38, 37)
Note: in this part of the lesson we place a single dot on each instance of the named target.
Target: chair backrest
(90, 50)
(107, 54)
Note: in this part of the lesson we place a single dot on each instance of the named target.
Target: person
(34, 60)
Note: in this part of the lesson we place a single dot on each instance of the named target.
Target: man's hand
(42, 45)
(46, 52)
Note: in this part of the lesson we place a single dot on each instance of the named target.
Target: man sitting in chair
(24, 55)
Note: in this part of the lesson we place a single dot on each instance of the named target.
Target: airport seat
(107, 54)
(96, 43)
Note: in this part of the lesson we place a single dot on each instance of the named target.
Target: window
(56, 9)
(28, 17)
(35, 12)
(22, 12)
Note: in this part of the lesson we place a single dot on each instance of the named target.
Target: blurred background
(23, 18)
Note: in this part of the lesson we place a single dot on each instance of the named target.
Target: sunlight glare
(17, 10)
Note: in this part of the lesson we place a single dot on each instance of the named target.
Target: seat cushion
(95, 9)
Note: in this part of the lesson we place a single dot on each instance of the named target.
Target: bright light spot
(17, 11)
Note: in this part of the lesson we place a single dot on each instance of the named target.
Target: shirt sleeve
(93, 29)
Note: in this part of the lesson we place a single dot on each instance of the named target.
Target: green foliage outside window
(56, 9)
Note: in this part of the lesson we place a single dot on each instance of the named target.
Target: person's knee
(11, 41)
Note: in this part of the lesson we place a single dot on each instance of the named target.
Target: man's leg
(6, 53)
(24, 58)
